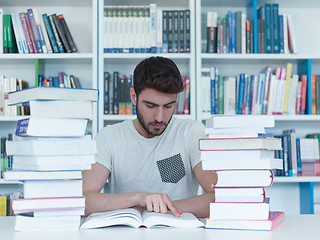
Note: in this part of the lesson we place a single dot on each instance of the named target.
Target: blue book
(35, 31)
(230, 31)
(233, 24)
(251, 93)
(212, 91)
(50, 33)
(299, 167)
(264, 12)
(216, 94)
(275, 28)
(281, 34)
(241, 93)
(164, 31)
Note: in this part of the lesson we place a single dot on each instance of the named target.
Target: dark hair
(158, 73)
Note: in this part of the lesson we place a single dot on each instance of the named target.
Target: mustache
(156, 122)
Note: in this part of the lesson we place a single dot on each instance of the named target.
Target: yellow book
(313, 93)
(287, 88)
(3, 206)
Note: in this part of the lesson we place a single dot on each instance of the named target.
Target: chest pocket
(171, 169)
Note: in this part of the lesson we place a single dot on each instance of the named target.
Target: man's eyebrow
(152, 103)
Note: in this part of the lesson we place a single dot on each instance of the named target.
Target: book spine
(175, 31)
(106, 92)
(56, 34)
(45, 36)
(17, 32)
(303, 94)
(153, 28)
(186, 109)
(159, 31)
(268, 28)
(41, 34)
(187, 33)
(238, 28)
(61, 33)
(165, 31)
(51, 36)
(281, 34)
(181, 46)
(275, 28)
(34, 45)
(67, 33)
(35, 31)
(170, 21)
(116, 92)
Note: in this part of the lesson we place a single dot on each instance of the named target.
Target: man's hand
(159, 203)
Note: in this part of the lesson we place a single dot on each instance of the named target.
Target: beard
(148, 126)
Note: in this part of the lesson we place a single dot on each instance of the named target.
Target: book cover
(239, 195)
(61, 33)
(67, 33)
(56, 34)
(11, 175)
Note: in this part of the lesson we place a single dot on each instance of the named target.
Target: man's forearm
(102, 202)
(198, 205)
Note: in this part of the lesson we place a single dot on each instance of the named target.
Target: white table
(302, 227)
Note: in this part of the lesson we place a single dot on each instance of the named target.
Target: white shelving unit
(286, 192)
(125, 63)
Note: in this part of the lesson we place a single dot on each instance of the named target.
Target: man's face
(154, 111)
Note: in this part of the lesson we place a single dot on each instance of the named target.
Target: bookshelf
(125, 63)
(294, 195)
(81, 17)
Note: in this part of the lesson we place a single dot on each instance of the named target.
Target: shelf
(11, 118)
(128, 117)
(47, 56)
(4, 182)
(296, 179)
(145, 55)
(259, 56)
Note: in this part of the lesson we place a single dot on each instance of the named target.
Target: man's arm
(200, 205)
(94, 181)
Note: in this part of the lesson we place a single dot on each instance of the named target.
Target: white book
(54, 160)
(229, 95)
(285, 34)
(205, 90)
(38, 24)
(120, 28)
(244, 178)
(47, 147)
(229, 164)
(232, 121)
(23, 38)
(17, 33)
(50, 167)
(54, 212)
(52, 93)
(272, 94)
(293, 94)
(292, 38)
(133, 218)
(10, 175)
(1, 30)
(61, 109)
(239, 194)
(31, 204)
(34, 224)
(51, 127)
(234, 130)
(153, 27)
(159, 31)
(240, 155)
(243, 32)
(239, 211)
(52, 188)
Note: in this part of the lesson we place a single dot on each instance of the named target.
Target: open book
(133, 218)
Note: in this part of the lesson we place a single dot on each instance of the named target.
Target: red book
(26, 32)
(33, 41)
(303, 94)
(186, 109)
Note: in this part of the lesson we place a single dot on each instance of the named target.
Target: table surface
(294, 227)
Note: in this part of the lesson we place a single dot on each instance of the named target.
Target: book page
(130, 217)
(152, 219)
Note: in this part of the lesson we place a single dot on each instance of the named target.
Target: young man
(152, 162)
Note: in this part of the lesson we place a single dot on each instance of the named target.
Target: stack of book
(49, 150)
(242, 155)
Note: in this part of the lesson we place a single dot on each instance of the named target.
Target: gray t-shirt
(162, 164)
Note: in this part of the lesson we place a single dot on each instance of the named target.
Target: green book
(220, 95)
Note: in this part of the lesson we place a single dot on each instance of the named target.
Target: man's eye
(150, 106)
(168, 106)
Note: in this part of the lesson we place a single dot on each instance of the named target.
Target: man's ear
(133, 96)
